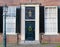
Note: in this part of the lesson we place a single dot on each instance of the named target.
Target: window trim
(10, 33)
(53, 33)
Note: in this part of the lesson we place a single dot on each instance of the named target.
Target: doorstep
(29, 42)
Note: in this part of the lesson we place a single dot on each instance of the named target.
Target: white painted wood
(37, 22)
(22, 22)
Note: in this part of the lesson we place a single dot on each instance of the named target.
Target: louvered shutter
(18, 20)
(41, 19)
(58, 19)
(1, 19)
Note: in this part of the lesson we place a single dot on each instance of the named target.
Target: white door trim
(36, 22)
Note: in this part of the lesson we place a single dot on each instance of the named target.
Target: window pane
(11, 11)
(11, 19)
(50, 20)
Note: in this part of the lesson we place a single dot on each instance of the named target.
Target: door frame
(36, 21)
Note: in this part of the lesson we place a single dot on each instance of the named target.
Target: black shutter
(18, 20)
(1, 19)
(58, 19)
(41, 19)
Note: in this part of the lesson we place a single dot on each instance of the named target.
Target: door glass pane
(29, 12)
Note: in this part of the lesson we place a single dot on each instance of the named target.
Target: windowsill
(51, 34)
(11, 33)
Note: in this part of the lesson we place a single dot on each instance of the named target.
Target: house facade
(31, 21)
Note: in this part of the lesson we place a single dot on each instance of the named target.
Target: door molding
(36, 21)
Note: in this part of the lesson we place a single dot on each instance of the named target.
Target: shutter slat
(1, 19)
(41, 17)
(18, 20)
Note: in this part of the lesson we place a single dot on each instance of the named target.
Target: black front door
(29, 30)
(29, 24)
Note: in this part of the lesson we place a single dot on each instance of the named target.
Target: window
(10, 24)
(11, 20)
(51, 20)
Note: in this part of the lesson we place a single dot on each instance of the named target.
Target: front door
(30, 30)
(30, 22)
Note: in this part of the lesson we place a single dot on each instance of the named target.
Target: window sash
(51, 25)
(11, 20)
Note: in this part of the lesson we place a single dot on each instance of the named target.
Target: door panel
(29, 30)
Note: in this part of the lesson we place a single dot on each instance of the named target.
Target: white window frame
(52, 33)
(8, 33)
